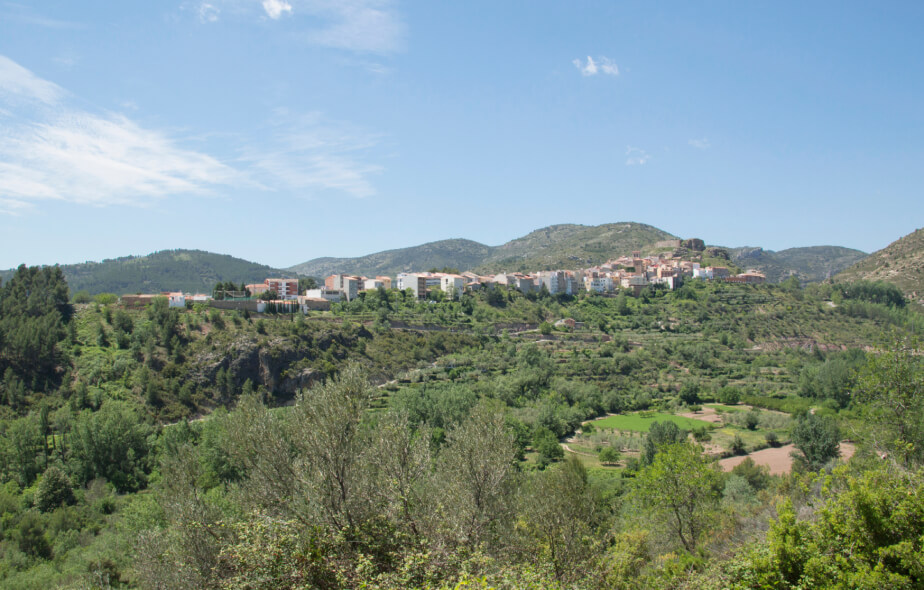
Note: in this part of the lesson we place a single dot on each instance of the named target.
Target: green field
(641, 422)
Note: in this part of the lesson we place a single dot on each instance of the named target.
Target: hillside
(900, 263)
(811, 264)
(181, 270)
(572, 246)
(556, 246)
(458, 253)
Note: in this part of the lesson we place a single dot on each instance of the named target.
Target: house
(598, 284)
(257, 288)
(415, 282)
(372, 284)
(452, 285)
(386, 281)
(348, 284)
(176, 299)
(314, 303)
(329, 295)
(287, 289)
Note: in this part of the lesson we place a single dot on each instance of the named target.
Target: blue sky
(284, 130)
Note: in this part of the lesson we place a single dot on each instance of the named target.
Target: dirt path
(778, 459)
(570, 450)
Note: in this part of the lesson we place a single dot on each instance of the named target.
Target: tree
(55, 489)
(818, 439)
(891, 387)
(557, 517)
(689, 393)
(609, 455)
(475, 473)
(546, 444)
(660, 434)
(680, 487)
(111, 443)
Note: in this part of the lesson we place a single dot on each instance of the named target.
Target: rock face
(694, 244)
(267, 365)
(715, 252)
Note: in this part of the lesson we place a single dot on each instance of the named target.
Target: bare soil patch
(778, 459)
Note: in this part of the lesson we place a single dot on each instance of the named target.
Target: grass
(642, 421)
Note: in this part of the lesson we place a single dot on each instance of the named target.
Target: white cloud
(361, 26)
(208, 13)
(18, 84)
(700, 144)
(636, 156)
(592, 67)
(54, 150)
(275, 8)
(307, 154)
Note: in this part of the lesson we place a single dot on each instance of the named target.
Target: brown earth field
(779, 459)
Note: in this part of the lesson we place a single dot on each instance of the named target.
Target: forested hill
(900, 263)
(557, 246)
(811, 264)
(168, 270)
(457, 253)
(571, 246)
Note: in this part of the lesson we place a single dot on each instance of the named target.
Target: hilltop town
(630, 273)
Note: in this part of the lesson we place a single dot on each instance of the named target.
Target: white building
(176, 299)
(452, 285)
(598, 284)
(332, 295)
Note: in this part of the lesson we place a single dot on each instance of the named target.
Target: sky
(283, 130)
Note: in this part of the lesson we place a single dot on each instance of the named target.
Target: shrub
(609, 456)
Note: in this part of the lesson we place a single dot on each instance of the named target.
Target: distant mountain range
(192, 271)
(900, 263)
(566, 246)
(811, 264)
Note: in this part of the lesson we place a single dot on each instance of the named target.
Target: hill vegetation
(570, 246)
(809, 265)
(900, 263)
(191, 271)
(396, 443)
(557, 246)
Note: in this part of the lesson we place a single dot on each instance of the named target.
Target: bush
(737, 446)
(772, 439)
(54, 490)
(609, 456)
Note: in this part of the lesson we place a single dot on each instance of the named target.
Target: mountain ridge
(163, 270)
(900, 263)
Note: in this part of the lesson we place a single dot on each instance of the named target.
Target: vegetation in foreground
(396, 444)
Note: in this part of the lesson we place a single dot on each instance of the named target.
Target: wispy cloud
(54, 150)
(18, 84)
(700, 144)
(51, 149)
(276, 8)
(25, 15)
(361, 26)
(207, 12)
(636, 156)
(592, 67)
(307, 153)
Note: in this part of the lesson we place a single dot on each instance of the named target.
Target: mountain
(900, 263)
(557, 246)
(572, 246)
(168, 270)
(458, 253)
(811, 264)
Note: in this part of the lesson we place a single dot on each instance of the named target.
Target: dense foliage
(396, 443)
